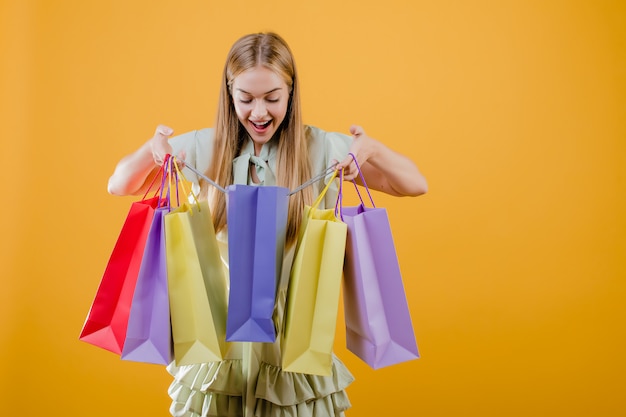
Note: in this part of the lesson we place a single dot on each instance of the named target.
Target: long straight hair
(292, 162)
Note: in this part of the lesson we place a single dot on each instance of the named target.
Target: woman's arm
(384, 169)
(134, 172)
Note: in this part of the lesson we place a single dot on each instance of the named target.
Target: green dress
(249, 381)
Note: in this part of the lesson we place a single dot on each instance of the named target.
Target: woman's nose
(259, 109)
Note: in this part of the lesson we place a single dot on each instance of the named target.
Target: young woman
(259, 138)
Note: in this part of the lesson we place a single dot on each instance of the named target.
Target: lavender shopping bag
(378, 322)
(257, 224)
(149, 332)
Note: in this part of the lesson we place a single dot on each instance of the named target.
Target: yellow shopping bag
(313, 296)
(197, 285)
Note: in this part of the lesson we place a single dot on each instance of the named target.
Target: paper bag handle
(298, 189)
(323, 193)
(160, 172)
(168, 175)
(339, 203)
(180, 177)
(363, 181)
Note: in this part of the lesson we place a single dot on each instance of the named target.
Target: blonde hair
(292, 162)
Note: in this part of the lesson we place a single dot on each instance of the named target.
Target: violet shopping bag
(107, 320)
(257, 225)
(378, 322)
(197, 285)
(313, 294)
(149, 333)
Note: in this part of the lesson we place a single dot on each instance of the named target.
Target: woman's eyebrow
(269, 92)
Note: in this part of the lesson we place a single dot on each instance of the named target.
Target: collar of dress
(264, 163)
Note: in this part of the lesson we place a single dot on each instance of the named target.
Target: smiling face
(261, 98)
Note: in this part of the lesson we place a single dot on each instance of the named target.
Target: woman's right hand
(160, 145)
(133, 173)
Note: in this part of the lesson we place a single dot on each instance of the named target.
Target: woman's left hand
(363, 147)
(383, 169)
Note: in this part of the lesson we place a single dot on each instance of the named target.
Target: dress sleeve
(198, 147)
(324, 147)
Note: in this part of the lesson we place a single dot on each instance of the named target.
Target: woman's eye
(273, 100)
(245, 101)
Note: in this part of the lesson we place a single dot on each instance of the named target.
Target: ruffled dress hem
(289, 394)
(211, 389)
(215, 389)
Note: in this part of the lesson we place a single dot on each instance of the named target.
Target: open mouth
(260, 126)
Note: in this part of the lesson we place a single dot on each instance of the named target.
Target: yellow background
(514, 262)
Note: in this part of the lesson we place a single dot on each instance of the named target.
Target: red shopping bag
(107, 319)
(106, 322)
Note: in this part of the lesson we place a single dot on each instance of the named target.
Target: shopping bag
(107, 319)
(257, 224)
(149, 333)
(378, 322)
(313, 294)
(197, 285)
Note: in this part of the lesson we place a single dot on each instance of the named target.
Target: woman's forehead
(258, 80)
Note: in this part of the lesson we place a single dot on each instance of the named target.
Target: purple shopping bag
(257, 224)
(149, 332)
(378, 322)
